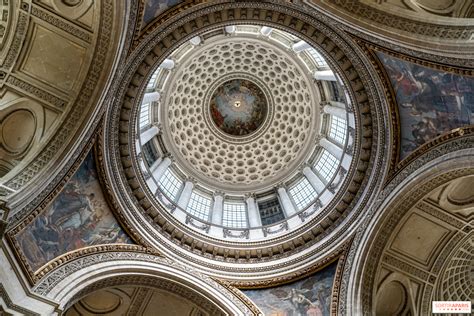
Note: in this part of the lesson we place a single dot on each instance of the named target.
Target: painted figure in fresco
(308, 297)
(238, 107)
(77, 218)
(153, 8)
(431, 102)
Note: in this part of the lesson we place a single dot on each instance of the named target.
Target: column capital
(218, 193)
(318, 138)
(250, 195)
(281, 185)
(304, 165)
(190, 180)
(169, 156)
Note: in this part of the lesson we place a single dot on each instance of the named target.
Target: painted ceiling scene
(283, 158)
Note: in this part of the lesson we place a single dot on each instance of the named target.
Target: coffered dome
(244, 141)
(238, 114)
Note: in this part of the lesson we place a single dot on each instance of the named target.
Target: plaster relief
(21, 127)
(418, 238)
(5, 12)
(17, 130)
(53, 59)
(458, 197)
(80, 10)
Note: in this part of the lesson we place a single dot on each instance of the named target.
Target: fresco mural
(154, 8)
(78, 217)
(430, 102)
(308, 297)
(238, 107)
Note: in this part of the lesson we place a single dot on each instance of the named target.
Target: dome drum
(225, 243)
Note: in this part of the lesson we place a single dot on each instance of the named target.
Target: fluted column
(252, 210)
(217, 208)
(167, 64)
(185, 195)
(334, 149)
(286, 202)
(326, 75)
(161, 168)
(331, 109)
(148, 134)
(300, 46)
(151, 97)
(313, 179)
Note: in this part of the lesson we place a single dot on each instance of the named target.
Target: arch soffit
(431, 170)
(98, 271)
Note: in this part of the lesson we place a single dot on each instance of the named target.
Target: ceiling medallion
(238, 107)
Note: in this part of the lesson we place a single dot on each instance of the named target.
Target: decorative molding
(440, 214)
(28, 88)
(61, 24)
(269, 231)
(10, 305)
(58, 274)
(190, 221)
(16, 44)
(4, 210)
(403, 204)
(405, 267)
(78, 109)
(241, 233)
(294, 276)
(315, 208)
(374, 15)
(170, 34)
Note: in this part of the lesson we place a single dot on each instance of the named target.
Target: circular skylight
(244, 133)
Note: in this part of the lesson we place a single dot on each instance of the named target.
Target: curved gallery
(318, 225)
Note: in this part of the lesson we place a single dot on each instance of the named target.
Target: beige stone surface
(54, 59)
(418, 238)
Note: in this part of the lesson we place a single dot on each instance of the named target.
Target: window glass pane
(144, 115)
(170, 184)
(199, 206)
(235, 215)
(326, 165)
(303, 193)
(338, 129)
(270, 211)
(150, 154)
(318, 59)
(152, 82)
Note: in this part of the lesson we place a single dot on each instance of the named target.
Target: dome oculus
(238, 107)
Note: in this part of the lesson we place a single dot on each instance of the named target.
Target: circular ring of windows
(245, 133)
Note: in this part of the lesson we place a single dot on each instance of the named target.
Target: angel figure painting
(430, 102)
(78, 217)
(308, 297)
